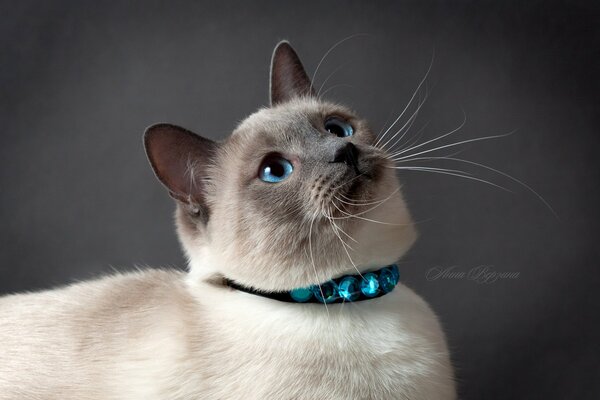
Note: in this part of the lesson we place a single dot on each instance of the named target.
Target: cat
(288, 202)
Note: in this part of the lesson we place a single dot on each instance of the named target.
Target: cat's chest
(260, 349)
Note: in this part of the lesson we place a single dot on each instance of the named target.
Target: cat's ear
(288, 78)
(180, 160)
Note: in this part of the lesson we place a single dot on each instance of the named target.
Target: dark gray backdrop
(81, 80)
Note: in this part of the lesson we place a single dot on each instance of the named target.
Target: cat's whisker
(357, 201)
(349, 215)
(341, 230)
(460, 174)
(432, 158)
(410, 141)
(418, 134)
(359, 204)
(342, 306)
(407, 125)
(456, 171)
(379, 203)
(389, 117)
(396, 158)
(376, 203)
(460, 126)
(344, 232)
(347, 182)
(335, 228)
(312, 260)
(512, 178)
(417, 90)
(336, 231)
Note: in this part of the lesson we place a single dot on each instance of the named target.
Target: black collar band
(347, 288)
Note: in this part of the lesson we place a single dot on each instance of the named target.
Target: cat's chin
(380, 237)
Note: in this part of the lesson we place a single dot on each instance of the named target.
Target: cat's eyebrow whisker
(337, 86)
(512, 178)
(442, 171)
(333, 48)
(329, 77)
(417, 90)
(459, 127)
(395, 157)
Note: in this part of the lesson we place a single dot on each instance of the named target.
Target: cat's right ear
(180, 160)
(288, 77)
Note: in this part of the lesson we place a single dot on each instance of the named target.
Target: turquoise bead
(369, 285)
(387, 281)
(301, 295)
(329, 289)
(349, 288)
(395, 273)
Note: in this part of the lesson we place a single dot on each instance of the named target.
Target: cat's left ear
(181, 159)
(288, 77)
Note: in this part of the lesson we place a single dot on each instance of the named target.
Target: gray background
(79, 82)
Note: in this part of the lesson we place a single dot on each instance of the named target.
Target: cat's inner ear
(180, 159)
(288, 77)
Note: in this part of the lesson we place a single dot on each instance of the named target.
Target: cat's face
(295, 196)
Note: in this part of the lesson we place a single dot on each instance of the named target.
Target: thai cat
(264, 212)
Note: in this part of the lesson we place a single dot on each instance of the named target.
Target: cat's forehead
(291, 117)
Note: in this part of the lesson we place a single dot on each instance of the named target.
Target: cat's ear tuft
(288, 77)
(180, 160)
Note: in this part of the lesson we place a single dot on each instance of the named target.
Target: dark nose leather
(348, 155)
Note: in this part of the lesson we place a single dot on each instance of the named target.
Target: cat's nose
(347, 154)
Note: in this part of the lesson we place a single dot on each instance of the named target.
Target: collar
(347, 288)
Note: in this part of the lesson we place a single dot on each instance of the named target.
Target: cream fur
(154, 335)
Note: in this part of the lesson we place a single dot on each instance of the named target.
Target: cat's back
(61, 343)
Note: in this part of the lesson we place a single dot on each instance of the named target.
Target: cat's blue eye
(339, 127)
(275, 169)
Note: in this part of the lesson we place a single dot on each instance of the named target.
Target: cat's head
(298, 194)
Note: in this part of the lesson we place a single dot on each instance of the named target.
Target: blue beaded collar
(347, 288)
